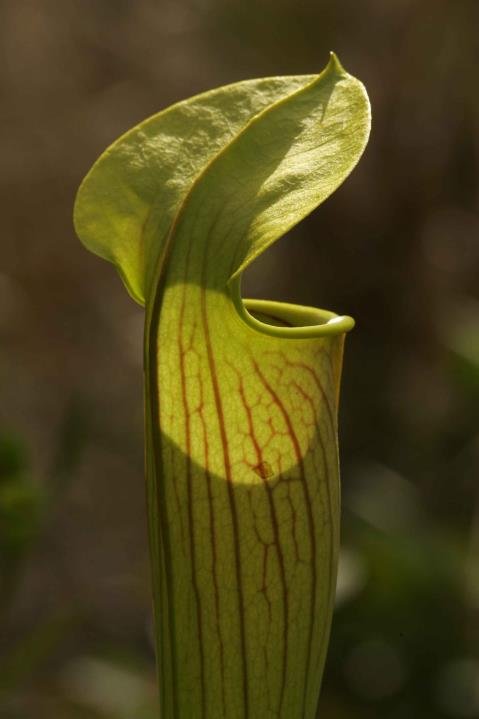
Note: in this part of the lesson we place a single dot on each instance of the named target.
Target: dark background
(397, 247)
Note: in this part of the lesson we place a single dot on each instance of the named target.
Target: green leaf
(241, 396)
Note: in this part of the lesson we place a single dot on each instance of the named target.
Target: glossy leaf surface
(241, 398)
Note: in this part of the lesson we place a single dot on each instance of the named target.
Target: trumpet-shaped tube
(241, 396)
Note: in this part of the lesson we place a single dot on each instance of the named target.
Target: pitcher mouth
(289, 320)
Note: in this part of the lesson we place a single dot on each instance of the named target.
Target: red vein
(153, 390)
(309, 514)
(318, 383)
(331, 587)
(277, 542)
(191, 520)
(213, 548)
(231, 498)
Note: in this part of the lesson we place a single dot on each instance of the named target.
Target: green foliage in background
(20, 507)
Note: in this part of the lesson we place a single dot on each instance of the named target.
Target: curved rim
(307, 322)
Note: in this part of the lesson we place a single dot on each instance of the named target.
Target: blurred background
(397, 247)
